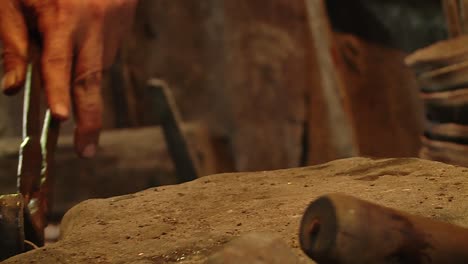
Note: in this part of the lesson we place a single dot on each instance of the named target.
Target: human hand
(77, 40)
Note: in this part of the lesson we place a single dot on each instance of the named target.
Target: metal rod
(49, 140)
(30, 151)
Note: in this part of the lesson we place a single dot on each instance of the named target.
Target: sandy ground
(186, 223)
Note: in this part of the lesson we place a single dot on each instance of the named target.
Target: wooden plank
(382, 95)
(339, 133)
(464, 15)
(169, 119)
(452, 16)
(456, 15)
(266, 81)
(170, 41)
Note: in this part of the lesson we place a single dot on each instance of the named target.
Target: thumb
(14, 38)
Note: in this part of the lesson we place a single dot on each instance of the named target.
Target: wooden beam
(332, 85)
(266, 81)
(456, 15)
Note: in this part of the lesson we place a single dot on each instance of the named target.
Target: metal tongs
(23, 216)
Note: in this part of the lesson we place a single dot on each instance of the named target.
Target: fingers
(122, 14)
(88, 103)
(57, 30)
(14, 38)
(99, 45)
(88, 114)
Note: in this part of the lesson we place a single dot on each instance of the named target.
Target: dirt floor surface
(188, 222)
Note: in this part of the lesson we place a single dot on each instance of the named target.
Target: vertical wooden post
(464, 14)
(331, 83)
(456, 15)
(267, 78)
(369, 95)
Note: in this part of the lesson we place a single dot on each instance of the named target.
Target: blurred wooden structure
(271, 81)
(277, 82)
(442, 70)
(269, 84)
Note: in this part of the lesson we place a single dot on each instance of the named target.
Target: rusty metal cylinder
(11, 225)
(442, 72)
(340, 229)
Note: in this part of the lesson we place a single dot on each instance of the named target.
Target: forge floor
(188, 222)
